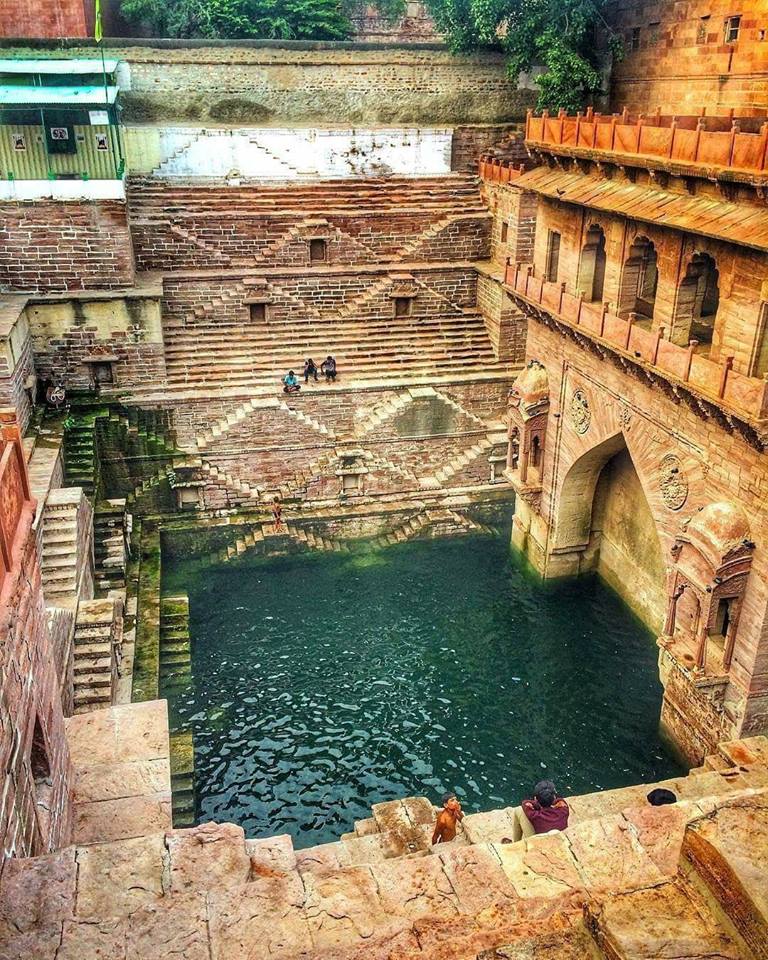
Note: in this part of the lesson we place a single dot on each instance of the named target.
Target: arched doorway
(604, 524)
(698, 299)
(592, 265)
(639, 280)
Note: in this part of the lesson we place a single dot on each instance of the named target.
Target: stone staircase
(175, 655)
(97, 646)
(233, 354)
(241, 488)
(60, 566)
(682, 882)
(80, 451)
(244, 410)
(109, 544)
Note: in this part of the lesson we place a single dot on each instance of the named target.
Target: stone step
(646, 924)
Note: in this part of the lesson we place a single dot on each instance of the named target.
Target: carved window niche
(528, 415)
(712, 558)
(318, 250)
(188, 498)
(352, 470)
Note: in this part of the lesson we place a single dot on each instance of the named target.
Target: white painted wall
(62, 190)
(285, 154)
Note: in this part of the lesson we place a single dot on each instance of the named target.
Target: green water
(325, 683)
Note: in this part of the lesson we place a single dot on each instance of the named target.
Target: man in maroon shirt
(546, 811)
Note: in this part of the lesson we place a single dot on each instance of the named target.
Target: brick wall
(683, 63)
(505, 322)
(303, 83)
(46, 18)
(35, 815)
(127, 332)
(514, 223)
(316, 295)
(65, 246)
(470, 141)
(415, 25)
(219, 241)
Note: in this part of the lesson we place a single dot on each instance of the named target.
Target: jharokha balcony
(686, 373)
(735, 148)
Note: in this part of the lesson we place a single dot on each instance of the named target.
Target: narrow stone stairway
(175, 655)
(97, 642)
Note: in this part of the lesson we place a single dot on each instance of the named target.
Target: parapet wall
(260, 82)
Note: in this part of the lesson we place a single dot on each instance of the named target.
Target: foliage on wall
(564, 37)
(240, 19)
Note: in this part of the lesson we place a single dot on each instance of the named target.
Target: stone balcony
(724, 147)
(708, 383)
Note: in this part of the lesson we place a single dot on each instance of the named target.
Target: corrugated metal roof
(745, 224)
(75, 65)
(69, 96)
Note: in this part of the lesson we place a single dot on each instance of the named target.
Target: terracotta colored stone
(84, 940)
(664, 922)
(211, 855)
(609, 856)
(264, 919)
(175, 926)
(116, 878)
(479, 881)
(415, 887)
(344, 908)
(122, 818)
(271, 856)
(541, 868)
(37, 892)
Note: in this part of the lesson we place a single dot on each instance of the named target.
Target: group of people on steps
(327, 368)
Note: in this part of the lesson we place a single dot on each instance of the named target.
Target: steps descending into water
(109, 546)
(175, 656)
(97, 650)
(648, 883)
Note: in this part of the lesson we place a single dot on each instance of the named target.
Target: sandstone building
(580, 330)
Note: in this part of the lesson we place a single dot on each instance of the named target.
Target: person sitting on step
(310, 370)
(291, 383)
(449, 816)
(328, 366)
(546, 811)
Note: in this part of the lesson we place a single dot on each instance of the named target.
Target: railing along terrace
(15, 497)
(498, 171)
(718, 382)
(737, 143)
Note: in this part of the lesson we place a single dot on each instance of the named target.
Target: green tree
(240, 19)
(563, 37)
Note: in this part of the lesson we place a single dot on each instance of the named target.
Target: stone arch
(697, 302)
(639, 279)
(591, 280)
(604, 523)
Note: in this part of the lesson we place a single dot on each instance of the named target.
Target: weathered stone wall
(680, 62)
(65, 246)
(504, 321)
(126, 332)
(715, 465)
(415, 25)
(624, 533)
(49, 18)
(514, 223)
(35, 813)
(470, 141)
(207, 241)
(441, 291)
(257, 82)
(17, 366)
(402, 448)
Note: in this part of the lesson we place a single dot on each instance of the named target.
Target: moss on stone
(146, 664)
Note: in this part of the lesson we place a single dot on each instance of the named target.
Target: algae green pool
(323, 683)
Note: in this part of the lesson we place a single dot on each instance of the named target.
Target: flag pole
(98, 34)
